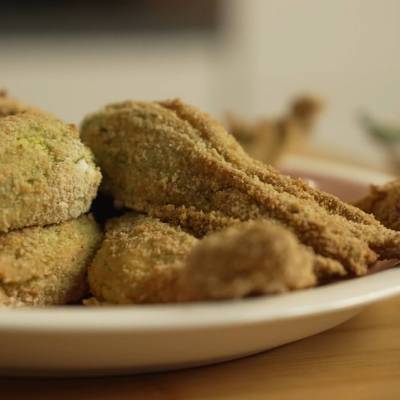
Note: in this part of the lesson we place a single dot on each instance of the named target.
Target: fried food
(255, 257)
(47, 265)
(143, 260)
(171, 161)
(384, 203)
(10, 106)
(268, 139)
(46, 174)
(139, 261)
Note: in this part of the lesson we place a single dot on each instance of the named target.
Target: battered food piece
(253, 257)
(140, 261)
(143, 260)
(267, 139)
(10, 106)
(171, 161)
(384, 203)
(47, 265)
(47, 175)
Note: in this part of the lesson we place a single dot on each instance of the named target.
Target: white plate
(87, 341)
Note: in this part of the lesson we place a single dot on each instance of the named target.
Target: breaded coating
(171, 161)
(143, 260)
(384, 203)
(269, 138)
(10, 106)
(47, 265)
(139, 261)
(47, 175)
(253, 257)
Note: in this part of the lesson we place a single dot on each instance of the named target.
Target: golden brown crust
(46, 174)
(170, 160)
(255, 257)
(217, 140)
(384, 203)
(140, 261)
(47, 265)
(143, 260)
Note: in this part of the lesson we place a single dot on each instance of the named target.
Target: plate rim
(167, 317)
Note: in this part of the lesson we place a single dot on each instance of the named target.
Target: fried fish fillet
(46, 174)
(143, 260)
(384, 203)
(172, 161)
(47, 265)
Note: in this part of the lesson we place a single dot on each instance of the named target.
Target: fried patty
(47, 265)
(47, 175)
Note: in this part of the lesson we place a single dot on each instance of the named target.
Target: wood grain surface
(357, 360)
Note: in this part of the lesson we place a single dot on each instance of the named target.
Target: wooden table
(357, 360)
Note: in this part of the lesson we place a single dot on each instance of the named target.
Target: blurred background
(247, 57)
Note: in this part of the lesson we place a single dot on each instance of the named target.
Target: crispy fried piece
(384, 203)
(140, 261)
(267, 139)
(143, 260)
(47, 265)
(170, 160)
(253, 257)
(46, 174)
(10, 106)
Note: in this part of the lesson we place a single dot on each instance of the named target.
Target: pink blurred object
(348, 182)
(346, 189)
